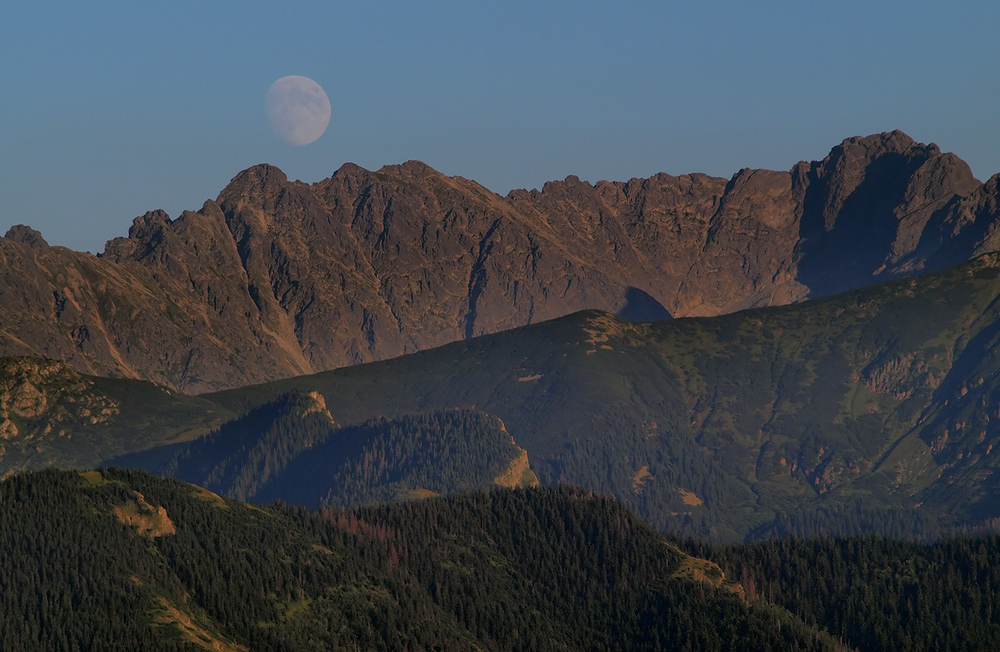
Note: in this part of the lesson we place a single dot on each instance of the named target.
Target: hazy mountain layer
(277, 278)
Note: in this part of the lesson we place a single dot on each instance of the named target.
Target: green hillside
(52, 415)
(133, 562)
(868, 411)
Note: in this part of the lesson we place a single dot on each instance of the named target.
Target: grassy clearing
(93, 478)
(703, 571)
(640, 477)
(689, 498)
(518, 474)
(205, 494)
(418, 494)
(168, 615)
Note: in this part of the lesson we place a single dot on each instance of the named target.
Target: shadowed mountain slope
(291, 449)
(277, 278)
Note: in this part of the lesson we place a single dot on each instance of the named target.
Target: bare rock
(26, 235)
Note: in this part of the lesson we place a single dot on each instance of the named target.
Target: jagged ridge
(277, 278)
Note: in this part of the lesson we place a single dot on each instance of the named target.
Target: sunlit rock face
(276, 278)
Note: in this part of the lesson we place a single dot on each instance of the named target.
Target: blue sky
(108, 110)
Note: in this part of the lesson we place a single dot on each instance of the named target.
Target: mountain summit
(276, 278)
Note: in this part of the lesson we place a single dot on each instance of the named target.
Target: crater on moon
(298, 108)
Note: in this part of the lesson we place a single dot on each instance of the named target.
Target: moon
(298, 108)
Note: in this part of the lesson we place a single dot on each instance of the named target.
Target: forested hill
(875, 592)
(121, 560)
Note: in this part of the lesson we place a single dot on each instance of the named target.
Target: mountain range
(277, 278)
(395, 410)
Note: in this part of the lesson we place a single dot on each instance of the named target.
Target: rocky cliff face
(276, 278)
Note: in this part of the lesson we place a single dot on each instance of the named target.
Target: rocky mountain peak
(889, 141)
(258, 184)
(411, 170)
(26, 235)
(146, 225)
(262, 174)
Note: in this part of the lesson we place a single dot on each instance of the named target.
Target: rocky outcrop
(276, 278)
(38, 398)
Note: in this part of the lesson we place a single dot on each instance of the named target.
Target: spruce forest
(121, 560)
